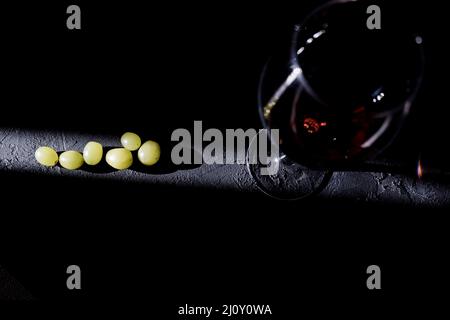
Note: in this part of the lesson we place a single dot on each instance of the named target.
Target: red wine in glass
(338, 93)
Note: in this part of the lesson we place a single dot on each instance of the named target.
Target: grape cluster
(119, 158)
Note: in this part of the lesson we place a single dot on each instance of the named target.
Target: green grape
(149, 153)
(46, 156)
(93, 153)
(71, 160)
(130, 141)
(119, 158)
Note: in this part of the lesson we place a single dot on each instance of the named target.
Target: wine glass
(338, 94)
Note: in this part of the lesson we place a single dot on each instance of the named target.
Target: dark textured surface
(17, 149)
(217, 238)
(10, 288)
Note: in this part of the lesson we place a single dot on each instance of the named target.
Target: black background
(152, 67)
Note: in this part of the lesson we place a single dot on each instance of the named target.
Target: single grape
(149, 153)
(130, 141)
(119, 158)
(93, 153)
(46, 156)
(71, 160)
